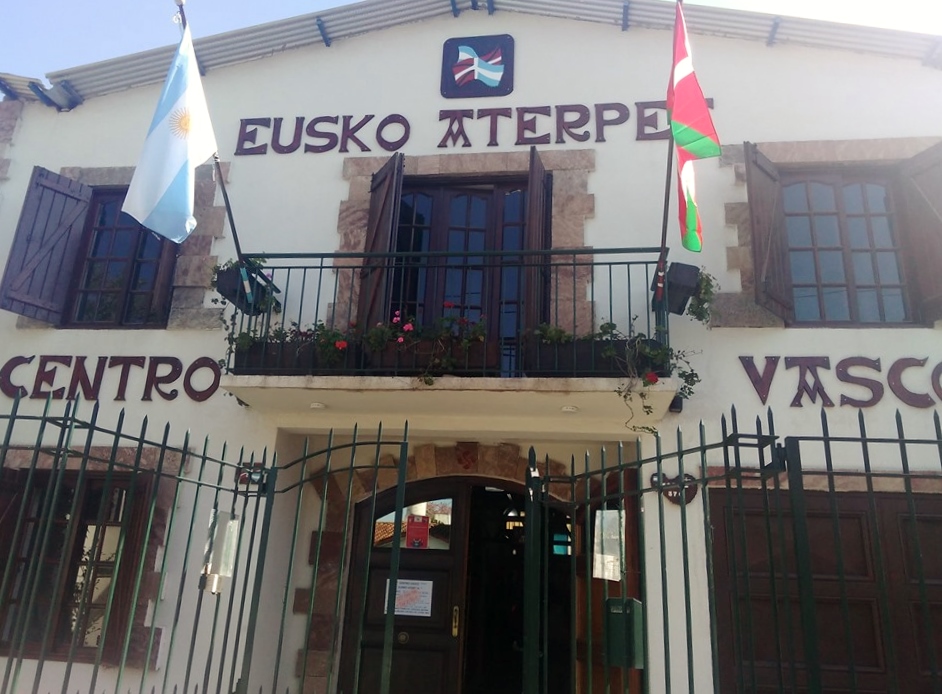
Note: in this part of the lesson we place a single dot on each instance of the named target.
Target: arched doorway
(459, 624)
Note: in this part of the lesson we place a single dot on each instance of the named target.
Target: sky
(42, 36)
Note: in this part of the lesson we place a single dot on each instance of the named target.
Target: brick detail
(730, 310)
(10, 111)
(194, 318)
(740, 310)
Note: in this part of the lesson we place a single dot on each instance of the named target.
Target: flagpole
(222, 182)
(243, 266)
(662, 256)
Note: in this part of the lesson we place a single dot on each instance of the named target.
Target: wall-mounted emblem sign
(477, 66)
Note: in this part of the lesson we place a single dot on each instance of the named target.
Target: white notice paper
(608, 552)
(413, 598)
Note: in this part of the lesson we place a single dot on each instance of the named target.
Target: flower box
(291, 359)
(436, 358)
(230, 286)
(594, 358)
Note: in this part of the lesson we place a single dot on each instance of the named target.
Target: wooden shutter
(43, 256)
(536, 237)
(386, 192)
(921, 183)
(773, 289)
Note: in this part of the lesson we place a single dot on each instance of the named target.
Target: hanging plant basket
(230, 285)
(681, 281)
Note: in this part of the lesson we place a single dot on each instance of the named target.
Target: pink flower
(651, 378)
(396, 313)
(407, 328)
(396, 319)
(340, 344)
(401, 340)
(448, 304)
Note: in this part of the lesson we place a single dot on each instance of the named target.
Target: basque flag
(693, 131)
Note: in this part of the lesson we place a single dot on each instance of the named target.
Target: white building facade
(384, 187)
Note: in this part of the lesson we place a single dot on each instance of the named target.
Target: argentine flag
(180, 138)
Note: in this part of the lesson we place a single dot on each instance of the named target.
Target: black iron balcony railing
(559, 312)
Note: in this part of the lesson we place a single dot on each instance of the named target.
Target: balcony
(547, 335)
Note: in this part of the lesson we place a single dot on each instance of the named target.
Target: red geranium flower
(340, 344)
(651, 378)
(448, 304)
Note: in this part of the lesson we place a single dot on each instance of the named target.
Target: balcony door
(456, 249)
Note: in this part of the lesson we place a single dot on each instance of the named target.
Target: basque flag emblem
(487, 69)
(477, 66)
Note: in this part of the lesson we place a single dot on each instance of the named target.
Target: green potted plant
(648, 361)
(701, 302)
(552, 351)
(295, 350)
(282, 351)
(231, 285)
(452, 344)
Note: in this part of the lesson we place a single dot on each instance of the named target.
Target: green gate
(141, 560)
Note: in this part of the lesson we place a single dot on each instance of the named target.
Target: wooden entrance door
(429, 621)
(876, 580)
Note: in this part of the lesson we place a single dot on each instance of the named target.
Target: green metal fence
(137, 560)
(750, 563)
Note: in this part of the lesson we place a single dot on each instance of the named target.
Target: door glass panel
(822, 197)
(853, 199)
(459, 211)
(867, 307)
(832, 266)
(826, 231)
(425, 525)
(889, 268)
(478, 213)
(799, 231)
(857, 232)
(802, 263)
(795, 198)
(876, 198)
(836, 305)
(806, 304)
(894, 308)
(882, 237)
(863, 269)
(513, 206)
